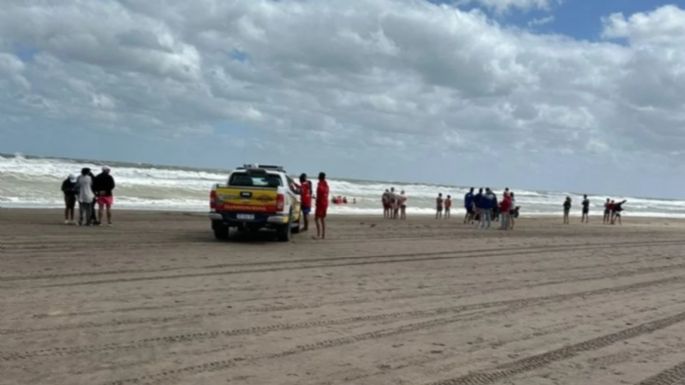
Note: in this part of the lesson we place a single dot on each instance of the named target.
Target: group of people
(88, 190)
(394, 204)
(483, 207)
(305, 189)
(612, 210)
(341, 200)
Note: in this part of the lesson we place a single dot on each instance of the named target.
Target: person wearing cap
(70, 192)
(104, 184)
(84, 186)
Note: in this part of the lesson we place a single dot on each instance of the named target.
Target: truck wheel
(220, 231)
(284, 233)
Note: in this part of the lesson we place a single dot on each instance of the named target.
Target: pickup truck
(255, 197)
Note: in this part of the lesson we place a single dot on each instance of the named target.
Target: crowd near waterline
(94, 195)
(483, 208)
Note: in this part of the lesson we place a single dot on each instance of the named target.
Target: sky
(564, 95)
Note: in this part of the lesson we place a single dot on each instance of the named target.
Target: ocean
(34, 182)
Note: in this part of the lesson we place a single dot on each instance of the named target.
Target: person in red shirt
(321, 206)
(306, 199)
(505, 211)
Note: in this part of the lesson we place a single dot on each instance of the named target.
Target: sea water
(34, 182)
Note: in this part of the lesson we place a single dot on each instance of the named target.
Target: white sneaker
(66, 222)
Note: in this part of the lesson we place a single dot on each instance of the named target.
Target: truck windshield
(254, 180)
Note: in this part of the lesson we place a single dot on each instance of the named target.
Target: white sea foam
(35, 182)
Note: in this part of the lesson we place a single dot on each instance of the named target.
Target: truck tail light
(280, 202)
(212, 200)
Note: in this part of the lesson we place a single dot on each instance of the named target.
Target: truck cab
(255, 197)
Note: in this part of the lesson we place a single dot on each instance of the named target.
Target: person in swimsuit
(438, 206)
(448, 206)
(607, 212)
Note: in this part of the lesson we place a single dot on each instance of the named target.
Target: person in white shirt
(84, 186)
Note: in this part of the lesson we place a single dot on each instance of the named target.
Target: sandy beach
(156, 300)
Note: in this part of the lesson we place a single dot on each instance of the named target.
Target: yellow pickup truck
(255, 197)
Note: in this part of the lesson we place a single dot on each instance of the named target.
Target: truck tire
(284, 233)
(220, 231)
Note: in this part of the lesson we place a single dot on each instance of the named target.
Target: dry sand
(156, 300)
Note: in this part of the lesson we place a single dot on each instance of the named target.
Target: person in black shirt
(70, 192)
(586, 210)
(103, 186)
(616, 212)
(567, 209)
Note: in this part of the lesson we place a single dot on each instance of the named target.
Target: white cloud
(541, 21)
(663, 26)
(501, 6)
(367, 75)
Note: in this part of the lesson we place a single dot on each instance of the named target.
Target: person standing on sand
(104, 184)
(448, 206)
(505, 211)
(385, 199)
(607, 212)
(468, 206)
(70, 192)
(514, 212)
(585, 217)
(616, 209)
(84, 184)
(478, 205)
(394, 204)
(438, 206)
(321, 206)
(403, 206)
(488, 201)
(306, 199)
(567, 209)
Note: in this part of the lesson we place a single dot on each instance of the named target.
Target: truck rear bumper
(232, 219)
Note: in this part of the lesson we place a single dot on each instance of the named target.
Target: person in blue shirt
(477, 204)
(487, 204)
(468, 205)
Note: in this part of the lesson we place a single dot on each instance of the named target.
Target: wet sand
(156, 300)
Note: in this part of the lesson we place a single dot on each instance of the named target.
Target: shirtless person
(607, 212)
(403, 205)
(438, 206)
(448, 206)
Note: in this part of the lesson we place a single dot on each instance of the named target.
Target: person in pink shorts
(103, 186)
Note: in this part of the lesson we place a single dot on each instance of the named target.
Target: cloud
(374, 77)
(663, 26)
(502, 6)
(541, 21)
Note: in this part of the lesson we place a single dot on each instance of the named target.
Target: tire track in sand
(508, 305)
(382, 259)
(478, 378)
(671, 376)
(530, 363)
